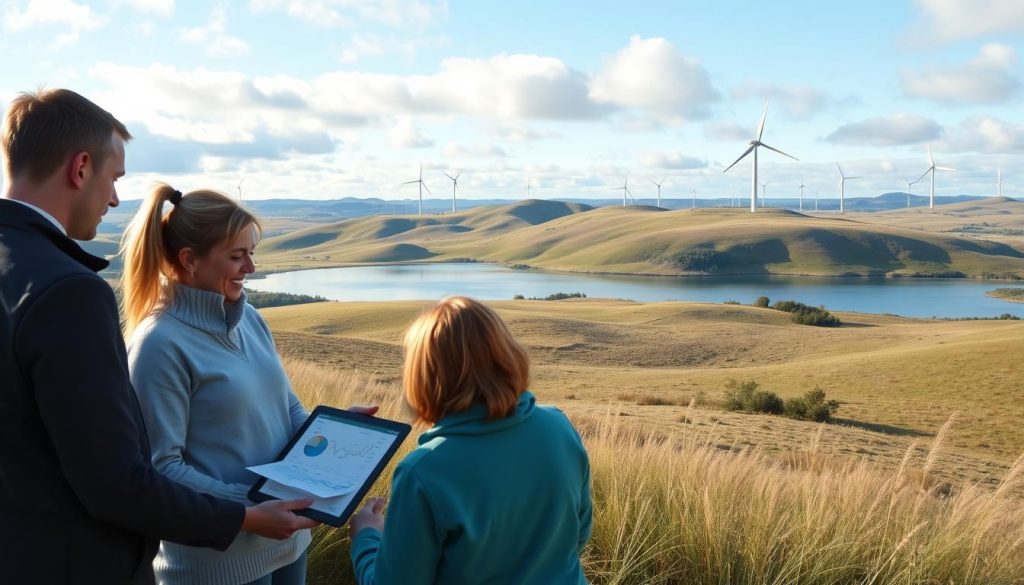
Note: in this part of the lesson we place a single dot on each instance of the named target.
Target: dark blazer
(79, 500)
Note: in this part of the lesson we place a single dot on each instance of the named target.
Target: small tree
(761, 302)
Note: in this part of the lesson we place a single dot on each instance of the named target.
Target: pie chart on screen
(316, 446)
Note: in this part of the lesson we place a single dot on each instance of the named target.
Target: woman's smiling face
(224, 269)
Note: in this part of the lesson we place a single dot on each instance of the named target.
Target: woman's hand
(367, 410)
(371, 516)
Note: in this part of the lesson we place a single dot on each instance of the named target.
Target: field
(649, 240)
(898, 380)
(897, 492)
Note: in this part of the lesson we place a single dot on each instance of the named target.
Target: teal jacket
(506, 501)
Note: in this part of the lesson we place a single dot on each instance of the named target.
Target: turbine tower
(625, 191)
(802, 192)
(815, 200)
(528, 186)
(910, 188)
(455, 186)
(422, 186)
(659, 189)
(842, 188)
(753, 148)
(931, 169)
(239, 187)
(764, 194)
(693, 197)
(999, 182)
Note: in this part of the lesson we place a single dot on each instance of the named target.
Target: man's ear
(79, 168)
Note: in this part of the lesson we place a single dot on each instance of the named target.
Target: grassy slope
(639, 240)
(901, 376)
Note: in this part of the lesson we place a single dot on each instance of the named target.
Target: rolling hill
(648, 240)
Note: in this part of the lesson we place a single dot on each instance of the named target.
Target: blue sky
(330, 98)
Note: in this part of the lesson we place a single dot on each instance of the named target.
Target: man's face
(98, 192)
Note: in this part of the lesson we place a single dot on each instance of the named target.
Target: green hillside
(559, 236)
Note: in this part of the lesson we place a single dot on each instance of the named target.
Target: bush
(262, 300)
(812, 406)
(816, 317)
(698, 260)
(745, 397)
(559, 296)
(518, 298)
(807, 315)
(761, 302)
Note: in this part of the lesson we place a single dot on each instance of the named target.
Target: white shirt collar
(43, 213)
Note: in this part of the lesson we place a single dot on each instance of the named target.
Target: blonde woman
(498, 490)
(214, 395)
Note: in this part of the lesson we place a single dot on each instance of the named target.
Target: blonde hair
(460, 353)
(200, 220)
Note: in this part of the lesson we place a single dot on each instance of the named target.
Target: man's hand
(276, 519)
(371, 516)
(367, 410)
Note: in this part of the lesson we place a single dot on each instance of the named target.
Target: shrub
(816, 317)
(812, 406)
(262, 300)
(559, 296)
(761, 302)
(518, 298)
(698, 260)
(789, 306)
(745, 397)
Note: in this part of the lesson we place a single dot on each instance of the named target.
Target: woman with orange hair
(498, 490)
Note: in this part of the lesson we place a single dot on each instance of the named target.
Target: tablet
(334, 458)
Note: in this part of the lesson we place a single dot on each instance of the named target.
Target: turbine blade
(923, 175)
(457, 175)
(840, 170)
(410, 182)
(427, 188)
(745, 153)
(447, 175)
(760, 127)
(780, 152)
(945, 168)
(931, 161)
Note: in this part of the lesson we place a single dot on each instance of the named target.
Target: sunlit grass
(681, 509)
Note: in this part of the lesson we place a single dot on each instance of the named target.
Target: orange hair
(460, 353)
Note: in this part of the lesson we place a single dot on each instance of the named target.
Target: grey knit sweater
(215, 399)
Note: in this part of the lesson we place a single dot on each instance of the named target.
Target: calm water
(901, 296)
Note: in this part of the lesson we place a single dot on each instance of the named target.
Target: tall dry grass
(684, 509)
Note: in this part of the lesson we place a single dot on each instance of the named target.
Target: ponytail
(143, 256)
(199, 220)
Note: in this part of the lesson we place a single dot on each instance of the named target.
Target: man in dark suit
(79, 501)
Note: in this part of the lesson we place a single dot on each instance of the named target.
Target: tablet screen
(334, 458)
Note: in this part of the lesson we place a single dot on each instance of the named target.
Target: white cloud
(76, 18)
(671, 160)
(375, 45)
(405, 134)
(214, 36)
(986, 135)
(652, 75)
(162, 8)
(724, 131)
(455, 150)
(949, 20)
(521, 134)
(352, 13)
(991, 77)
(798, 102)
(889, 130)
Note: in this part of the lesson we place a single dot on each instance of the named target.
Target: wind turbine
(659, 189)
(931, 169)
(764, 194)
(815, 200)
(625, 191)
(422, 186)
(801, 192)
(455, 185)
(910, 188)
(842, 188)
(528, 186)
(239, 187)
(753, 148)
(999, 181)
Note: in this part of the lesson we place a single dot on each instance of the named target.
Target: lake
(911, 297)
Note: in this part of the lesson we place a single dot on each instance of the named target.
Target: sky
(321, 99)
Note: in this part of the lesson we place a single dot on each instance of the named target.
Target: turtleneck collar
(205, 310)
(474, 420)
